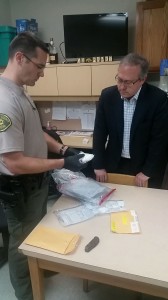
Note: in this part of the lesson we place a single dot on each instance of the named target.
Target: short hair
(134, 59)
(27, 43)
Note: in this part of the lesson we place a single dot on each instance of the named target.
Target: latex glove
(73, 163)
(71, 151)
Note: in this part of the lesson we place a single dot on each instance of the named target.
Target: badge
(5, 122)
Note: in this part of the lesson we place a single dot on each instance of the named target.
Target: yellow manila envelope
(124, 222)
(52, 239)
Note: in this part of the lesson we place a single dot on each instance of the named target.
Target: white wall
(49, 14)
(5, 13)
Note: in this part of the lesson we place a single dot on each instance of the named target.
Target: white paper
(81, 133)
(73, 110)
(88, 112)
(59, 111)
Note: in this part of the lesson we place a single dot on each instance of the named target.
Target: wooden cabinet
(152, 31)
(103, 76)
(47, 85)
(74, 80)
(69, 82)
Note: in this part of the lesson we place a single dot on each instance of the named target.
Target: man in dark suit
(131, 126)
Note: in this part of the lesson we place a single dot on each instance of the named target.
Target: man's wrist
(63, 149)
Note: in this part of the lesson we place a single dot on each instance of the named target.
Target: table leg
(36, 279)
(85, 285)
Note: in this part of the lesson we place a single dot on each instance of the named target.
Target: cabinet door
(45, 86)
(103, 76)
(74, 80)
(152, 31)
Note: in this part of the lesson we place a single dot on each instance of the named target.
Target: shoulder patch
(5, 122)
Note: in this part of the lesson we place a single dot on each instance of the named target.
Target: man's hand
(141, 179)
(73, 163)
(101, 175)
(71, 151)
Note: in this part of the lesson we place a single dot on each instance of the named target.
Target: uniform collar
(19, 90)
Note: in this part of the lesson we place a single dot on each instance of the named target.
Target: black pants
(22, 217)
(125, 166)
(4, 228)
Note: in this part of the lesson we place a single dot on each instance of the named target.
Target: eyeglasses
(39, 66)
(127, 83)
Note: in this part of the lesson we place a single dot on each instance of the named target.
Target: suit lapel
(139, 110)
(120, 118)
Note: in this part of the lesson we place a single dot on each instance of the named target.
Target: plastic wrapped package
(84, 212)
(76, 185)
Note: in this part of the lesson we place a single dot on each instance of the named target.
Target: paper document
(75, 133)
(88, 112)
(73, 110)
(59, 111)
(81, 133)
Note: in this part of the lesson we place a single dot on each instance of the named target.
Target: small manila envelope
(53, 240)
(124, 222)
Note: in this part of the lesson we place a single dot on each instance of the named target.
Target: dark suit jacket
(149, 131)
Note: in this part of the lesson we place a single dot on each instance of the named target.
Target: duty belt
(13, 190)
(23, 179)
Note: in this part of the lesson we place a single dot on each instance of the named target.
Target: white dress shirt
(129, 108)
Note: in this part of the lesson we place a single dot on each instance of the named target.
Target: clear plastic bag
(76, 185)
(83, 212)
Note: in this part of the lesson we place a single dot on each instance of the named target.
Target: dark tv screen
(92, 35)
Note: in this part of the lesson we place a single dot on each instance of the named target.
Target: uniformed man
(23, 153)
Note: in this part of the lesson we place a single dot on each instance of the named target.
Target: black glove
(73, 163)
(71, 151)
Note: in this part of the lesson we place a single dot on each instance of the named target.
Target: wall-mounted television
(92, 35)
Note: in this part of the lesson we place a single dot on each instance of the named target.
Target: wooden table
(137, 262)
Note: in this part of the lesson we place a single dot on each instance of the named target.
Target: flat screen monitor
(92, 35)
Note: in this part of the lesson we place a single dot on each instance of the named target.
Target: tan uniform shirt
(20, 126)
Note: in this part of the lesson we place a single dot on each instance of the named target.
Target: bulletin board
(45, 112)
